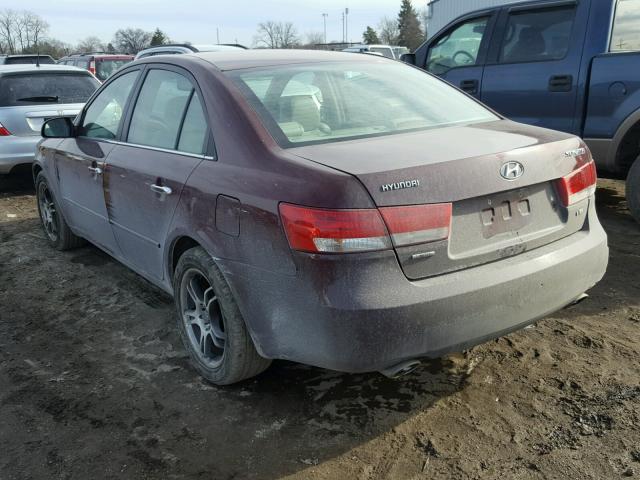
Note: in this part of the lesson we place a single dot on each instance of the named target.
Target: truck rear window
(44, 59)
(626, 26)
(106, 68)
(45, 88)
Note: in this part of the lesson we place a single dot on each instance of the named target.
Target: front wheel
(210, 323)
(633, 189)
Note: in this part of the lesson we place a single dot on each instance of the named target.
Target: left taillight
(4, 132)
(319, 230)
(578, 185)
(92, 66)
(334, 231)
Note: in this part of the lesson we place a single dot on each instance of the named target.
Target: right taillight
(3, 131)
(578, 185)
(318, 230)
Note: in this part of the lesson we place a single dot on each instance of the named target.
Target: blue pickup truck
(570, 65)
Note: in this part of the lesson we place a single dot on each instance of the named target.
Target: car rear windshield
(105, 68)
(626, 26)
(329, 102)
(46, 88)
(44, 60)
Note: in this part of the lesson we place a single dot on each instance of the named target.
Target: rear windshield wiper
(43, 98)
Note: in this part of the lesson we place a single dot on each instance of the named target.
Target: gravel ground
(94, 383)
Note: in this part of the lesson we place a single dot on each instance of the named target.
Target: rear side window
(102, 118)
(41, 89)
(160, 109)
(194, 128)
(83, 64)
(626, 26)
(537, 35)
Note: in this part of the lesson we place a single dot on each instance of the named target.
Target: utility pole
(324, 20)
(218, 35)
(343, 37)
(346, 24)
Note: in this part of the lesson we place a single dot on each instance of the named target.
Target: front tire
(210, 323)
(56, 230)
(633, 189)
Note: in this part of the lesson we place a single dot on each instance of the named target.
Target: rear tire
(210, 323)
(56, 230)
(633, 189)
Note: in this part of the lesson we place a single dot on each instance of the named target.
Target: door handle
(561, 83)
(469, 86)
(161, 189)
(96, 170)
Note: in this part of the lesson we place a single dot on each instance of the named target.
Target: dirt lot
(95, 384)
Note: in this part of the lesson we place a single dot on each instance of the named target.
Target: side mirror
(409, 58)
(59, 127)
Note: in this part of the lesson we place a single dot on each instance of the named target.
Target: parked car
(26, 58)
(385, 218)
(102, 65)
(28, 96)
(389, 51)
(178, 48)
(570, 66)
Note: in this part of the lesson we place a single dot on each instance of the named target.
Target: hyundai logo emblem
(511, 170)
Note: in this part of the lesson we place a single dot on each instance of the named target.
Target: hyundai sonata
(349, 212)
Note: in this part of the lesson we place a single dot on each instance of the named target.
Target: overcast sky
(196, 20)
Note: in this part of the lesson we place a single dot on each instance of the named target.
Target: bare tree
(276, 35)
(314, 38)
(131, 40)
(388, 31)
(8, 24)
(91, 44)
(21, 31)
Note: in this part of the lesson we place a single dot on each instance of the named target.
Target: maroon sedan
(344, 211)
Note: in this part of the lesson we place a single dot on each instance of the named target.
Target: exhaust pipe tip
(401, 369)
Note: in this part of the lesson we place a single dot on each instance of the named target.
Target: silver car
(31, 94)
(172, 49)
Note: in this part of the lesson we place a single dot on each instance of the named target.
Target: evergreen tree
(370, 36)
(411, 34)
(159, 38)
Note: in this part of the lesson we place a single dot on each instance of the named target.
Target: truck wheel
(58, 233)
(633, 189)
(210, 323)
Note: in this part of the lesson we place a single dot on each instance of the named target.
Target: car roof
(26, 68)
(266, 58)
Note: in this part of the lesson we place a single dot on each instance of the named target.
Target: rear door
(458, 54)
(80, 161)
(166, 138)
(533, 68)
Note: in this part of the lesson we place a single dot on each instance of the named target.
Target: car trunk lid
(28, 120)
(492, 217)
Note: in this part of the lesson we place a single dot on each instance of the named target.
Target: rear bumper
(16, 150)
(360, 313)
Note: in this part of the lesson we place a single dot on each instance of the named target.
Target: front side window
(102, 118)
(626, 26)
(46, 88)
(458, 48)
(537, 35)
(330, 102)
(159, 110)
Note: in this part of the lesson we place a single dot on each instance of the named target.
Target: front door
(166, 140)
(458, 54)
(533, 77)
(80, 163)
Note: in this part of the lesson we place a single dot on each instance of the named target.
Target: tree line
(27, 32)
